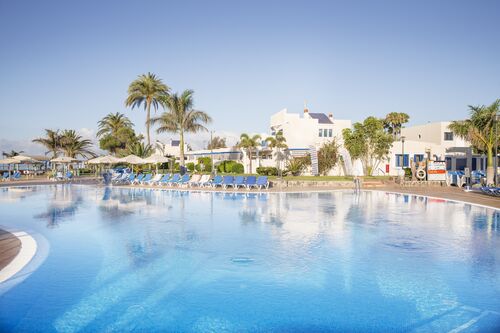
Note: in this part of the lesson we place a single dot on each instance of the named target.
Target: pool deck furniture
(163, 180)
(146, 179)
(138, 179)
(217, 181)
(155, 179)
(204, 181)
(250, 182)
(195, 180)
(183, 181)
(262, 182)
(175, 178)
(239, 181)
(227, 181)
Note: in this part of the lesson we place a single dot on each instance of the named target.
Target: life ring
(421, 174)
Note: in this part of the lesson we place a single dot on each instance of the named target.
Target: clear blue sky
(67, 64)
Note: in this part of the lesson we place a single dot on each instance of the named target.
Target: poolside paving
(10, 246)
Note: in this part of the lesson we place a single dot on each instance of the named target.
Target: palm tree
(181, 118)
(51, 141)
(277, 142)
(140, 149)
(12, 153)
(74, 145)
(394, 121)
(146, 90)
(249, 144)
(112, 123)
(480, 130)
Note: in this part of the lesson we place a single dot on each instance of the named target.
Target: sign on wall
(436, 170)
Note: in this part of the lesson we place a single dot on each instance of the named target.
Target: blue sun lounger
(239, 181)
(216, 181)
(138, 179)
(164, 179)
(183, 181)
(17, 175)
(250, 182)
(130, 179)
(227, 181)
(175, 178)
(262, 182)
(146, 178)
(5, 176)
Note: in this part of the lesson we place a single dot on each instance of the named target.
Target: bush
(204, 164)
(237, 168)
(190, 166)
(225, 166)
(267, 171)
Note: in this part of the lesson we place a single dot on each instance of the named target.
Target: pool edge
(23, 258)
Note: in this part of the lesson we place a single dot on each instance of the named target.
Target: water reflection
(62, 205)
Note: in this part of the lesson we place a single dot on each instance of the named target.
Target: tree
(139, 149)
(147, 90)
(112, 123)
(328, 157)
(480, 130)
(369, 142)
(74, 145)
(249, 144)
(12, 153)
(116, 133)
(51, 141)
(181, 118)
(394, 121)
(217, 142)
(277, 143)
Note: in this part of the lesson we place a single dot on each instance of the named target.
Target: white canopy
(155, 159)
(63, 159)
(133, 159)
(9, 161)
(108, 159)
(25, 159)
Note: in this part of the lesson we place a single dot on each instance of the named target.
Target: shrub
(295, 166)
(190, 166)
(267, 171)
(225, 166)
(237, 168)
(204, 164)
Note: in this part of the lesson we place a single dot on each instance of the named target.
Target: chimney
(306, 110)
(330, 116)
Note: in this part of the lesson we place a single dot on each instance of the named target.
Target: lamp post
(212, 152)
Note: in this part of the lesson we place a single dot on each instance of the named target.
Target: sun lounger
(175, 178)
(155, 179)
(138, 179)
(228, 181)
(217, 181)
(17, 175)
(250, 182)
(262, 182)
(5, 176)
(183, 181)
(69, 176)
(163, 179)
(146, 178)
(239, 181)
(204, 181)
(195, 180)
(130, 179)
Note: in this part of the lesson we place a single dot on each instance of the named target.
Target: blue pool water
(119, 260)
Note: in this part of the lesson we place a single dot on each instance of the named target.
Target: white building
(418, 142)
(307, 129)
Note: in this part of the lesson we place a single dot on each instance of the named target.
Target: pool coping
(23, 258)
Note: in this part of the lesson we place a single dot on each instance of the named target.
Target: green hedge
(267, 171)
(190, 166)
(204, 164)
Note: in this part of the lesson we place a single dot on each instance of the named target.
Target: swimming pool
(125, 259)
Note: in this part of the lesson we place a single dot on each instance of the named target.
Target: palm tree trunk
(181, 148)
(489, 167)
(250, 159)
(148, 117)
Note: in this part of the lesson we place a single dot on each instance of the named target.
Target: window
(330, 132)
(325, 133)
(448, 136)
(402, 161)
(418, 158)
(320, 133)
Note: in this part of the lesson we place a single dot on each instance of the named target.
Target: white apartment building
(418, 142)
(307, 129)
